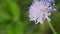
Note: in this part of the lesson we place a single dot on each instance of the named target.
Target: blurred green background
(14, 18)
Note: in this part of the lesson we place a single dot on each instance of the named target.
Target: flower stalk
(52, 28)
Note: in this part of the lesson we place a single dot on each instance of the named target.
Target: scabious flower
(41, 10)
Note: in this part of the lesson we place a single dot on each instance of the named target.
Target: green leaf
(4, 16)
(11, 29)
(20, 27)
(16, 28)
(14, 9)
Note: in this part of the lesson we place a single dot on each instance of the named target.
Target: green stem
(52, 28)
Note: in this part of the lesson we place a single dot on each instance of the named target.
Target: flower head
(41, 10)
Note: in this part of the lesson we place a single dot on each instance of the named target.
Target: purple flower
(41, 10)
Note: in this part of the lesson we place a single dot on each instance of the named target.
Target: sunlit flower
(41, 10)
